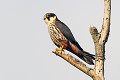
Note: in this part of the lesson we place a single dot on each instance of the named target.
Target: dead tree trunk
(99, 39)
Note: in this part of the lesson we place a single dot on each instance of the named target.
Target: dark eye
(48, 18)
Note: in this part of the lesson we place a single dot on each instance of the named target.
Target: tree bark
(75, 62)
(99, 39)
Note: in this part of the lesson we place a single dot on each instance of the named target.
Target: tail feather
(87, 57)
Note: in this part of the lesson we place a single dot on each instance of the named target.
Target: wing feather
(67, 33)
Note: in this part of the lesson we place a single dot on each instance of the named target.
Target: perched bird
(63, 38)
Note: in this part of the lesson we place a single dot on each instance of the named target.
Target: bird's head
(50, 17)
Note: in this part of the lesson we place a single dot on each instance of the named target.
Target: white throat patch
(51, 20)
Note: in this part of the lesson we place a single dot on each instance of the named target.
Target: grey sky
(25, 46)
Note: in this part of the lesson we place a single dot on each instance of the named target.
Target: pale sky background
(25, 45)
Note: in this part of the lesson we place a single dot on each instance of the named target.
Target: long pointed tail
(87, 57)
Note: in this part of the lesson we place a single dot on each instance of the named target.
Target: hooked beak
(45, 16)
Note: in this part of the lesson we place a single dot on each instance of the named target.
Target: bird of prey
(63, 38)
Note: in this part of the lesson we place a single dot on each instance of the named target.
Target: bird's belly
(57, 37)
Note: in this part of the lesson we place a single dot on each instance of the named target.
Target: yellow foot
(58, 49)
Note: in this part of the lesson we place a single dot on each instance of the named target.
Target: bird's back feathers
(67, 33)
(87, 57)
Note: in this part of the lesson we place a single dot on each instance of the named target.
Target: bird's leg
(59, 49)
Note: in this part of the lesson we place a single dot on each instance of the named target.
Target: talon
(59, 49)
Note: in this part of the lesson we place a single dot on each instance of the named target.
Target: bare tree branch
(75, 62)
(99, 40)
(99, 61)
(106, 22)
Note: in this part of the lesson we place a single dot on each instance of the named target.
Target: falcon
(63, 38)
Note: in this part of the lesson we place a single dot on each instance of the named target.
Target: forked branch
(99, 39)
